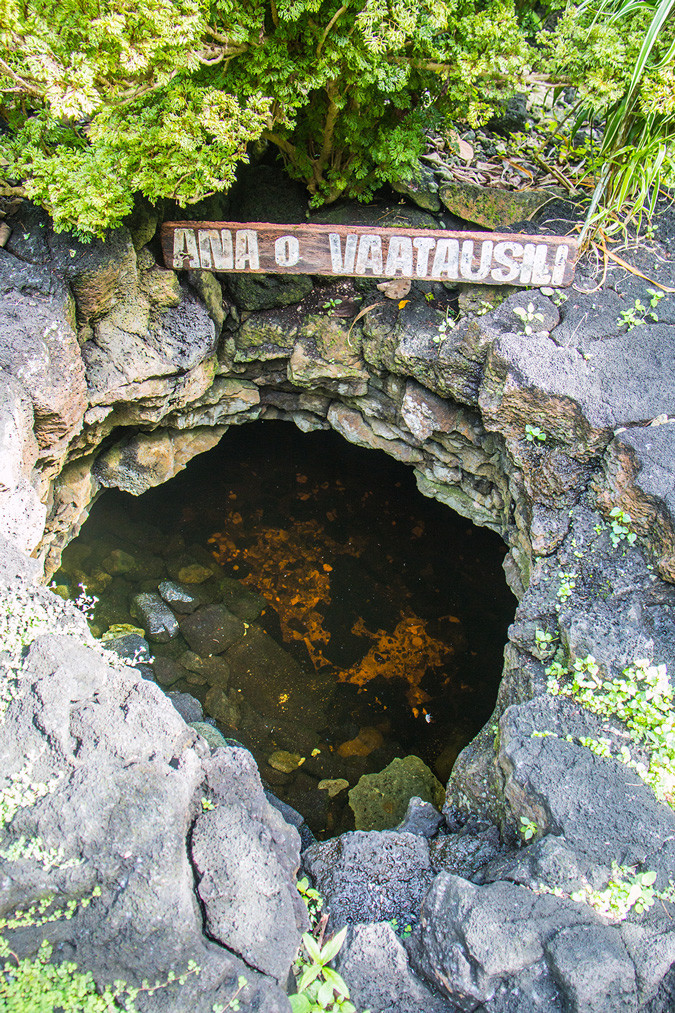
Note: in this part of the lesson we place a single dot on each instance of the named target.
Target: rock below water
(212, 630)
(158, 619)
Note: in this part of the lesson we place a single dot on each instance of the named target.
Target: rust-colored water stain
(288, 567)
(405, 654)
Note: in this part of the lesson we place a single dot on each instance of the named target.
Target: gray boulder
(375, 963)
(246, 856)
(371, 877)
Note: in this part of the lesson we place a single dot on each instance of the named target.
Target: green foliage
(402, 932)
(625, 891)
(566, 586)
(36, 985)
(544, 644)
(638, 314)
(104, 100)
(619, 527)
(319, 986)
(642, 700)
(533, 434)
(448, 323)
(528, 828)
(619, 54)
(233, 1003)
(527, 316)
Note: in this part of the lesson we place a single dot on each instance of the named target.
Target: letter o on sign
(286, 251)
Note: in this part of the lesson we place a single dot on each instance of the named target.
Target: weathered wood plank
(356, 251)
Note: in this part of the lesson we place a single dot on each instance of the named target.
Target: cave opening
(325, 615)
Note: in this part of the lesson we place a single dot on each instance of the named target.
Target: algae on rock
(380, 801)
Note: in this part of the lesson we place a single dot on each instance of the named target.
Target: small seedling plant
(533, 434)
(320, 988)
(446, 325)
(566, 586)
(638, 314)
(528, 828)
(545, 644)
(620, 527)
(528, 316)
(402, 932)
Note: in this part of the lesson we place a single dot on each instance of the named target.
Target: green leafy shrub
(619, 55)
(104, 100)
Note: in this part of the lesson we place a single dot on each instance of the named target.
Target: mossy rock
(268, 336)
(380, 801)
(265, 291)
(421, 187)
(375, 216)
(490, 206)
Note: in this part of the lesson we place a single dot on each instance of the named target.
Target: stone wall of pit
(116, 372)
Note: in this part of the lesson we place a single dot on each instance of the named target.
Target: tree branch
(32, 89)
(328, 27)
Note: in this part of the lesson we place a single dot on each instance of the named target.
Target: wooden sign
(355, 252)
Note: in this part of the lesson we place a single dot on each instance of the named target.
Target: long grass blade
(651, 35)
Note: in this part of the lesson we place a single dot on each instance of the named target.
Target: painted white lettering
(558, 273)
(446, 259)
(286, 251)
(466, 260)
(541, 274)
(528, 262)
(506, 253)
(339, 266)
(369, 257)
(185, 245)
(215, 249)
(246, 249)
(424, 245)
(399, 257)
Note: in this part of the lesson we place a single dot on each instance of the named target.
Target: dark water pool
(374, 619)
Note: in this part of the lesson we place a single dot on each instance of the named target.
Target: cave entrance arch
(368, 620)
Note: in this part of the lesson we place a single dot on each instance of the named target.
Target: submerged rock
(380, 801)
(285, 762)
(215, 671)
(134, 649)
(194, 573)
(167, 671)
(208, 732)
(158, 619)
(223, 706)
(180, 599)
(187, 706)
(212, 630)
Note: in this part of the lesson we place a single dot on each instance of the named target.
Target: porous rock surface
(114, 373)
